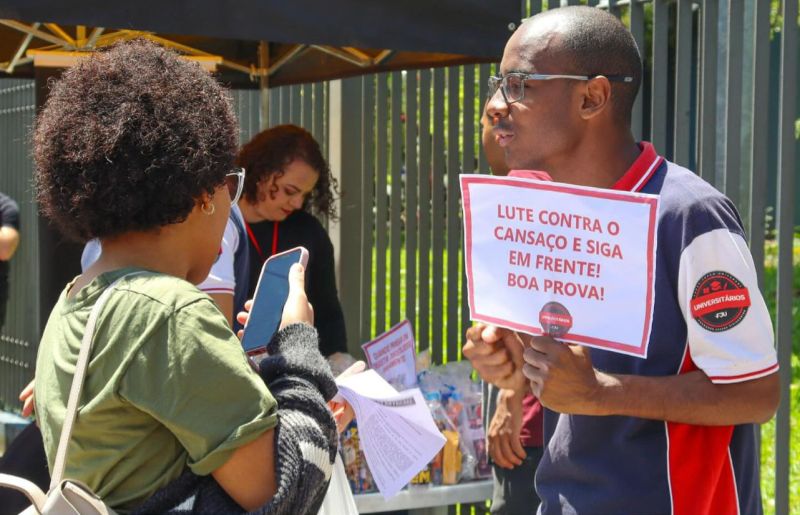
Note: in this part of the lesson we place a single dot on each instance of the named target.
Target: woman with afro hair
(135, 146)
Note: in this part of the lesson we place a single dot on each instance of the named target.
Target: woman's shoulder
(157, 296)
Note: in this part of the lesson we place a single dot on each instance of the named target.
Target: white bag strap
(77, 383)
(29, 489)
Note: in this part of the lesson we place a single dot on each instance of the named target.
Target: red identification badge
(719, 301)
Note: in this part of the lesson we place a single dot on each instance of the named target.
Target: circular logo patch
(719, 301)
(555, 319)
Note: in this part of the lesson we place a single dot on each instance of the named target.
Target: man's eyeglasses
(235, 182)
(513, 84)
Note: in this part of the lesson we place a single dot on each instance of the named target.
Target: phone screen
(269, 299)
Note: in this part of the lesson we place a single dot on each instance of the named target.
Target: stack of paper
(398, 434)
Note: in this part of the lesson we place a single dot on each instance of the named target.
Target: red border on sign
(649, 200)
(385, 335)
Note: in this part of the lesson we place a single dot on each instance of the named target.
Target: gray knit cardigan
(305, 437)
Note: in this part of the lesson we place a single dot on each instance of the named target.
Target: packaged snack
(451, 458)
(443, 423)
(355, 464)
(451, 391)
(422, 479)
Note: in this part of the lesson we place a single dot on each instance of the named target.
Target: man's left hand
(562, 376)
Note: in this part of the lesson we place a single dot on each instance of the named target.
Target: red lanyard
(256, 246)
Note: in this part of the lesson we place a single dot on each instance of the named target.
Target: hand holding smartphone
(272, 291)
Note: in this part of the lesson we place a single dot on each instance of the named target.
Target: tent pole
(344, 156)
(263, 83)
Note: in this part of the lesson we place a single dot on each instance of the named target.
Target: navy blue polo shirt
(709, 315)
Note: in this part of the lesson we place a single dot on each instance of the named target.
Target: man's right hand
(505, 447)
(496, 354)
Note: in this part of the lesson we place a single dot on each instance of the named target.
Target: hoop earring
(209, 212)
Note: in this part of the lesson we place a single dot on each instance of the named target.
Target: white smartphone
(269, 298)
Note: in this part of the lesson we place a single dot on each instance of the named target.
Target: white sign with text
(574, 262)
(393, 355)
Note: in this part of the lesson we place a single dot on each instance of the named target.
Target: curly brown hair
(271, 150)
(129, 139)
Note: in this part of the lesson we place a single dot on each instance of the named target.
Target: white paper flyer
(397, 431)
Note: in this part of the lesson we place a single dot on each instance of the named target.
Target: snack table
(427, 500)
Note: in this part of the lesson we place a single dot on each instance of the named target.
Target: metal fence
(718, 96)
(20, 335)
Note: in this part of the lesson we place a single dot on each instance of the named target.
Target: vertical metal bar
(367, 204)
(658, 118)
(274, 107)
(453, 219)
(255, 115)
(613, 8)
(395, 223)
(10, 135)
(733, 104)
(307, 109)
(787, 170)
(286, 104)
(469, 120)
(707, 122)
(760, 132)
(683, 84)
(484, 71)
(469, 123)
(424, 318)
(381, 207)
(411, 197)
(326, 108)
(242, 104)
(250, 109)
(437, 216)
(318, 129)
(6, 345)
(637, 29)
(344, 157)
(254, 108)
(294, 105)
(535, 7)
(264, 93)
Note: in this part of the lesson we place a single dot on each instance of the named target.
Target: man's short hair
(595, 42)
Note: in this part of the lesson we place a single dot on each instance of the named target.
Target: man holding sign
(669, 427)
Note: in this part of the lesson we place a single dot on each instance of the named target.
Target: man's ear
(596, 97)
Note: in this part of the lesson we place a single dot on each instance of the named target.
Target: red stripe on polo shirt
(634, 179)
(700, 469)
(641, 170)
